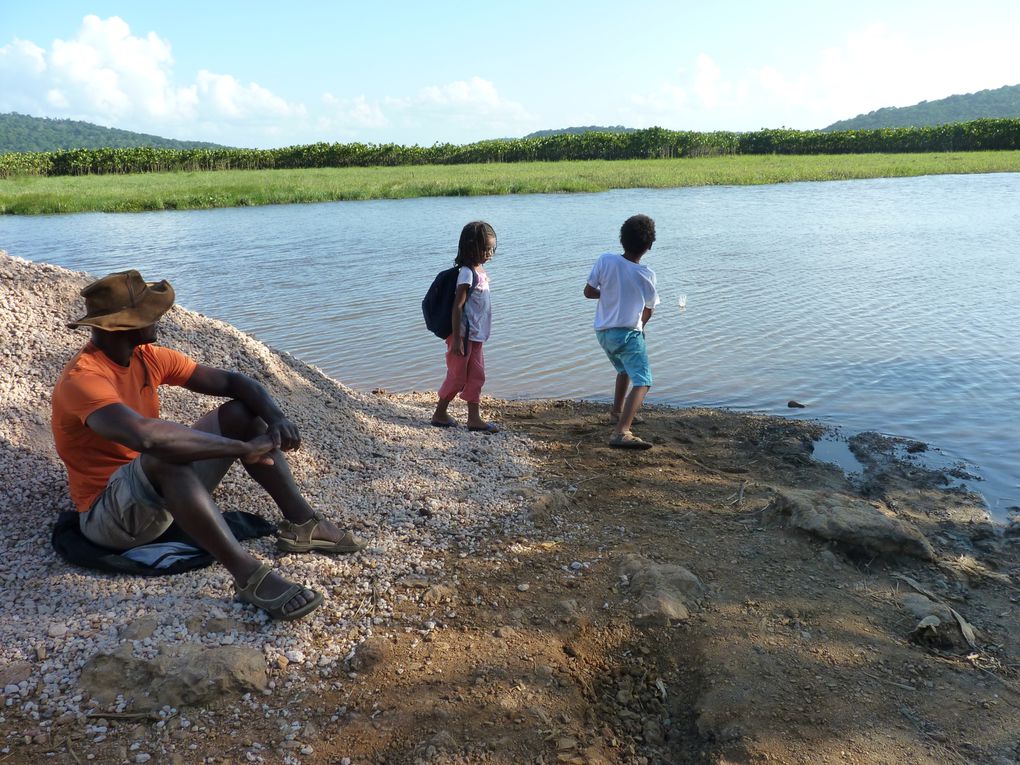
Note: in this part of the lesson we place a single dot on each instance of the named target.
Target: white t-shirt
(625, 288)
(477, 312)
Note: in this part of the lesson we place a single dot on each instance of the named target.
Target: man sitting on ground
(132, 474)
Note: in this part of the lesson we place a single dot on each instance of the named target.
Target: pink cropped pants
(464, 374)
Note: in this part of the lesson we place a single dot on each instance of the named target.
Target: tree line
(651, 143)
(20, 132)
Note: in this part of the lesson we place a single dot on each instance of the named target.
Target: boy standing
(626, 293)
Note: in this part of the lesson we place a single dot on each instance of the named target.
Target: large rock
(185, 675)
(662, 590)
(922, 607)
(854, 523)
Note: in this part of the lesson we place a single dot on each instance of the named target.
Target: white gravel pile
(367, 462)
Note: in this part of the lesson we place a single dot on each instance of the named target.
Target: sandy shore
(528, 597)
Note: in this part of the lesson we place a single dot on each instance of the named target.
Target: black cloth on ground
(73, 547)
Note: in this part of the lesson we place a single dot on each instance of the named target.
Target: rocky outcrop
(662, 592)
(180, 675)
(855, 524)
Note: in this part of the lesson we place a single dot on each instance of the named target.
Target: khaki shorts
(130, 512)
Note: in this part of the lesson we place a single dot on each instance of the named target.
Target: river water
(889, 304)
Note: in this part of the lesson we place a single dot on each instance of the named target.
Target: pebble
(390, 464)
(523, 587)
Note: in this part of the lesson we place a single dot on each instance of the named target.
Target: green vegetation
(19, 132)
(579, 130)
(167, 191)
(653, 143)
(985, 104)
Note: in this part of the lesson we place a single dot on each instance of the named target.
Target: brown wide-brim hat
(123, 301)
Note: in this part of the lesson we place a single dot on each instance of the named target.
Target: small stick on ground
(904, 686)
(70, 751)
(124, 715)
(739, 495)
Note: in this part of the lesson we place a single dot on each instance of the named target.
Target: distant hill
(1001, 102)
(576, 130)
(19, 132)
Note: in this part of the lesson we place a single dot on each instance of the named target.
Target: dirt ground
(794, 650)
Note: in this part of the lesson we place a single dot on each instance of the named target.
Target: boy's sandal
(297, 538)
(451, 423)
(248, 593)
(628, 440)
(489, 428)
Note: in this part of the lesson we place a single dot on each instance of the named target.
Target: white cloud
(873, 67)
(447, 109)
(22, 64)
(464, 110)
(351, 114)
(105, 74)
(221, 95)
(22, 57)
(708, 83)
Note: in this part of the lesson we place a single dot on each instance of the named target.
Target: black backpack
(437, 307)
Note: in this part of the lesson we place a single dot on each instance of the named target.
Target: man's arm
(211, 381)
(170, 441)
(591, 293)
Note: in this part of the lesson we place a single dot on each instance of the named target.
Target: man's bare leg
(189, 502)
(235, 420)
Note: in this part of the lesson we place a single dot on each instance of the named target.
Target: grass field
(179, 191)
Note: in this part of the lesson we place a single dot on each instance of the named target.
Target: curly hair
(637, 234)
(473, 239)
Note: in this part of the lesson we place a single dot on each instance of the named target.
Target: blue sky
(270, 74)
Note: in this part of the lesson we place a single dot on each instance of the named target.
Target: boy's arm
(646, 313)
(594, 277)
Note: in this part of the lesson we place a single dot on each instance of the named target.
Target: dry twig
(124, 715)
(70, 751)
(739, 495)
(904, 686)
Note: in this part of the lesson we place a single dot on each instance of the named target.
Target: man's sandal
(248, 593)
(297, 538)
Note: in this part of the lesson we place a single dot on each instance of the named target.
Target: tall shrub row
(653, 143)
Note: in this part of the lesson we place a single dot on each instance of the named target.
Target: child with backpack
(471, 319)
(625, 289)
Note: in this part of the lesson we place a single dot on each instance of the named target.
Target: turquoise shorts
(626, 349)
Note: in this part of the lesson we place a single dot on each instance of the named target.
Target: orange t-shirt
(90, 381)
